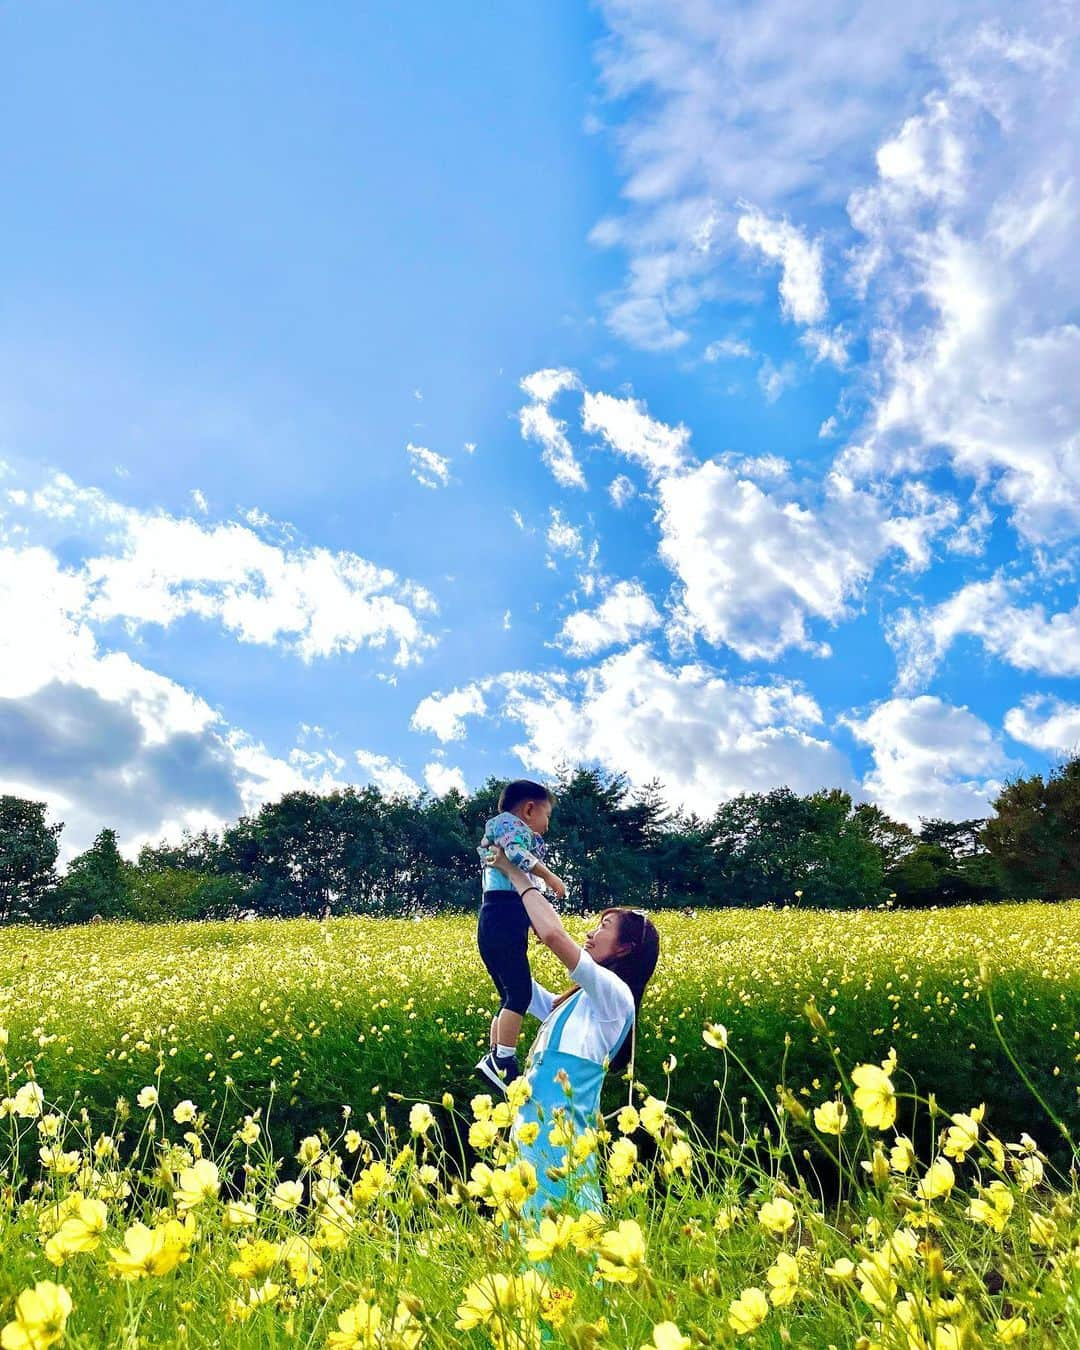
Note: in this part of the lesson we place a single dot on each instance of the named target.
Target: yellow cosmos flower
(993, 1207)
(239, 1214)
(496, 1295)
(748, 1311)
(875, 1096)
(358, 1327)
(254, 1260)
(1010, 1329)
(421, 1118)
(553, 1235)
(195, 1184)
(41, 1316)
(287, 1195)
(150, 1251)
(622, 1159)
(1042, 1231)
(831, 1117)
(80, 1231)
(783, 1278)
(667, 1336)
(777, 1216)
(622, 1253)
(310, 1151)
(902, 1154)
(938, 1181)
(963, 1134)
(627, 1120)
(1029, 1172)
(841, 1271)
(653, 1114)
(715, 1035)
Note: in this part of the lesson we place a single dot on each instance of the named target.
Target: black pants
(502, 935)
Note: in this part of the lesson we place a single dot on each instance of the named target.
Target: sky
(412, 395)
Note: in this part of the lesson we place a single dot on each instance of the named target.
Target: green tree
(97, 883)
(593, 829)
(168, 894)
(768, 846)
(28, 851)
(1034, 834)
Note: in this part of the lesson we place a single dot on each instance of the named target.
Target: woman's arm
(541, 912)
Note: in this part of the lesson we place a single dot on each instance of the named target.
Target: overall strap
(555, 1034)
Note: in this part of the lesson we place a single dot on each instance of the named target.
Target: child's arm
(554, 884)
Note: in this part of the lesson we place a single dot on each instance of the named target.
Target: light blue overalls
(581, 1188)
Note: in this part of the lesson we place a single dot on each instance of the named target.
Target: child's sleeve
(542, 1001)
(514, 838)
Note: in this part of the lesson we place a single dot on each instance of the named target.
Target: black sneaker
(499, 1071)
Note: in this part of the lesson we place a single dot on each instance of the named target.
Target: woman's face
(602, 943)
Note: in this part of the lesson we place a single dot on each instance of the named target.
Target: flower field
(843, 1129)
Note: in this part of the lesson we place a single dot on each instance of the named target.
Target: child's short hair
(523, 790)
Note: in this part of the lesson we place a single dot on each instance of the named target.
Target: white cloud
(387, 775)
(826, 346)
(104, 740)
(969, 264)
(705, 737)
(802, 288)
(773, 380)
(470, 447)
(154, 568)
(199, 498)
(931, 759)
(620, 490)
(625, 613)
(1027, 637)
(757, 566)
(441, 778)
(629, 430)
(1046, 723)
(429, 468)
(827, 428)
(769, 102)
(562, 537)
(729, 347)
(539, 424)
(444, 714)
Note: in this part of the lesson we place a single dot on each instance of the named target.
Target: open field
(343, 1011)
(761, 1222)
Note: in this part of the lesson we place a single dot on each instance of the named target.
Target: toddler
(503, 930)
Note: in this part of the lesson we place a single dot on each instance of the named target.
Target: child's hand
(556, 887)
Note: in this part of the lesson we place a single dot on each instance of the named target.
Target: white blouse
(597, 1018)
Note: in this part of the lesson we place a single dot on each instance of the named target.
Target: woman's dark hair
(523, 790)
(635, 967)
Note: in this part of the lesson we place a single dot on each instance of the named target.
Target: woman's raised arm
(541, 912)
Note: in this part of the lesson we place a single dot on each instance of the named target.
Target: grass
(315, 1029)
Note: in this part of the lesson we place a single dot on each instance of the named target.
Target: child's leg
(509, 1028)
(503, 938)
(494, 1031)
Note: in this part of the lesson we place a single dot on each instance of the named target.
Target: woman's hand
(496, 857)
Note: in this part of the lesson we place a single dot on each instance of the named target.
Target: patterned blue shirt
(523, 846)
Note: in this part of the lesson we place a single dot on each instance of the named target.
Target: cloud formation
(931, 759)
(704, 736)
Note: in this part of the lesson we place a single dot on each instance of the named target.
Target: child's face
(537, 815)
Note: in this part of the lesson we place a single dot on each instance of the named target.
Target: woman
(586, 1030)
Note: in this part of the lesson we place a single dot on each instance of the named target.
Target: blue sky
(415, 394)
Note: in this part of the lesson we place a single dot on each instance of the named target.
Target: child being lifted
(502, 933)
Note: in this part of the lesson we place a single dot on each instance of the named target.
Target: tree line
(359, 851)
